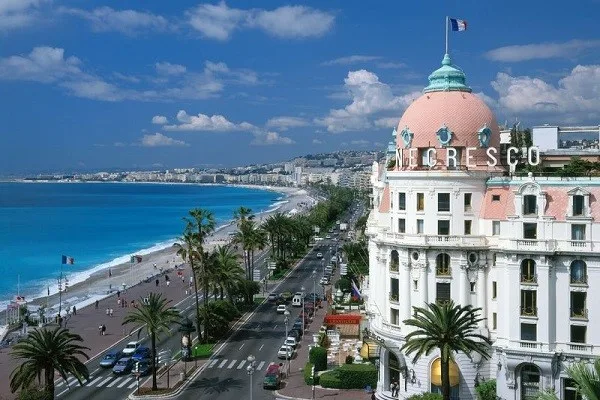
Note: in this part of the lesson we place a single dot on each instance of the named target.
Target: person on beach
(110, 312)
(96, 304)
(103, 329)
(154, 265)
(118, 294)
(157, 282)
(74, 311)
(100, 329)
(107, 312)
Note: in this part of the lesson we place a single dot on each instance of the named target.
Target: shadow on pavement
(215, 385)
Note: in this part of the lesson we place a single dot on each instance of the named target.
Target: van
(272, 378)
(297, 300)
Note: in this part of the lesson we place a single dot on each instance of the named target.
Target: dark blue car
(141, 353)
(123, 366)
(110, 359)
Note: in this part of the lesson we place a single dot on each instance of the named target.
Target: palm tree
(188, 251)
(226, 271)
(250, 237)
(587, 381)
(450, 328)
(45, 351)
(156, 316)
(243, 214)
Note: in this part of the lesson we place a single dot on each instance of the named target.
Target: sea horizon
(31, 273)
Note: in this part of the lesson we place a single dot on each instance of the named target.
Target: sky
(97, 85)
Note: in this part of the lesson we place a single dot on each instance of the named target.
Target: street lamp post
(251, 368)
(186, 328)
(314, 276)
(303, 313)
(286, 319)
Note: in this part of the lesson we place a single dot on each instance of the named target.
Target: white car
(290, 342)
(319, 255)
(285, 352)
(328, 237)
(281, 309)
(130, 348)
(324, 281)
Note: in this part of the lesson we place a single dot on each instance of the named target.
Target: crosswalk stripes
(223, 363)
(114, 382)
(231, 364)
(124, 382)
(260, 365)
(104, 381)
(212, 363)
(132, 385)
(94, 381)
(241, 364)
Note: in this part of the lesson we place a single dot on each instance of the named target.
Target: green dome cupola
(447, 78)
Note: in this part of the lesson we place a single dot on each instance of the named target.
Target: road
(225, 377)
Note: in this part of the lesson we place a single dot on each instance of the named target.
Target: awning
(343, 319)
(369, 349)
(436, 373)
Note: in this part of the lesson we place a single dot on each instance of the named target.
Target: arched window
(393, 368)
(578, 272)
(528, 274)
(442, 265)
(530, 382)
(435, 376)
(394, 260)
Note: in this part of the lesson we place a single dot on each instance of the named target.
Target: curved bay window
(528, 274)
(578, 272)
(394, 261)
(442, 265)
(530, 382)
(436, 378)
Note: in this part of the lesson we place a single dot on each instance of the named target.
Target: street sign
(164, 357)
(272, 265)
(343, 269)
(256, 275)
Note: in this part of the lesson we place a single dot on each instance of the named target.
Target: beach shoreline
(104, 279)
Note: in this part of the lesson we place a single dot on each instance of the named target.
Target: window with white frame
(578, 205)
(529, 204)
(495, 228)
(577, 232)
(401, 225)
(402, 201)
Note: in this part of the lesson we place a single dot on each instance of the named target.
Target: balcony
(581, 347)
(435, 240)
(529, 344)
(536, 245)
(579, 313)
(394, 267)
(529, 311)
(443, 271)
(530, 279)
(581, 280)
(394, 298)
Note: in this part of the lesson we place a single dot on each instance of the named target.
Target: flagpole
(60, 291)
(446, 35)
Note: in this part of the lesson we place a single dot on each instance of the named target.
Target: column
(464, 286)
(543, 302)
(481, 294)
(423, 284)
(405, 280)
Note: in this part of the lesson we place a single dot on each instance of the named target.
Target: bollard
(181, 376)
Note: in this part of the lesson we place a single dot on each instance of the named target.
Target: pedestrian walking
(103, 329)
(107, 312)
(373, 395)
(74, 311)
(154, 265)
(118, 294)
(168, 283)
(96, 304)
(111, 312)
(393, 387)
(100, 329)
(157, 282)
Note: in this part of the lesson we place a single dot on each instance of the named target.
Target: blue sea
(100, 225)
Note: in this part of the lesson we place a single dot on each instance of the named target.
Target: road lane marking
(241, 364)
(241, 346)
(124, 382)
(212, 363)
(114, 382)
(275, 327)
(104, 381)
(260, 365)
(94, 381)
(223, 363)
(261, 347)
(231, 364)
(132, 385)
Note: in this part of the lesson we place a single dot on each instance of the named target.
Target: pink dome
(463, 113)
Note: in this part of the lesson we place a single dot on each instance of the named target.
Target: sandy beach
(103, 283)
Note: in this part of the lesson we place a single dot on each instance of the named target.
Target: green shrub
(486, 390)
(318, 358)
(349, 359)
(225, 309)
(203, 350)
(426, 396)
(308, 379)
(34, 393)
(330, 380)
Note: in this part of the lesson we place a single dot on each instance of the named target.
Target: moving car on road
(281, 309)
(285, 352)
(319, 255)
(141, 353)
(272, 297)
(130, 348)
(123, 366)
(110, 359)
(272, 377)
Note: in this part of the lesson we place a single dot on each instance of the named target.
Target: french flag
(355, 290)
(67, 260)
(458, 25)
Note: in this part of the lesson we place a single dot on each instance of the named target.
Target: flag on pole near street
(458, 25)
(67, 260)
(355, 290)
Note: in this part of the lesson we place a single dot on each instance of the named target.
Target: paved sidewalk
(295, 387)
(87, 320)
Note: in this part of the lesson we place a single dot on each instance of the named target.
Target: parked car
(296, 334)
(324, 281)
(123, 366)
(297, 300)
(143, 367)
(285, 352)
(130, 348)
(291, 341)
(319, 255)
(272, 378)
(281, 309)
(272, 297)
(298, 325)
(110, 359)
(141, 353)
(286, 296)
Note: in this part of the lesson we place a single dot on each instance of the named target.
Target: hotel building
(446, 225)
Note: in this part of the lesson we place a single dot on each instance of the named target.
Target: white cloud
(50, 65)
(355, 59)
(166, 68)
(159, 120)
(369, 97)
(576, 95)
(129, 22)
(285, 123)
(537, 51)
(15, 14)
(361, 142)
(317, 141)
(204, 123)
(160, 140)
(270, 138)
(391, 65)
(387, 122)
(218, 21)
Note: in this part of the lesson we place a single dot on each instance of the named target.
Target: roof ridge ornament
(447, 78)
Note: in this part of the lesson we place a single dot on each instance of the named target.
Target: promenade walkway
(87, 320)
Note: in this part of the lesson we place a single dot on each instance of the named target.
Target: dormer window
(578, 205)
(529, 204)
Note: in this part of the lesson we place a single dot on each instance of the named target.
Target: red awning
(343, 319)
